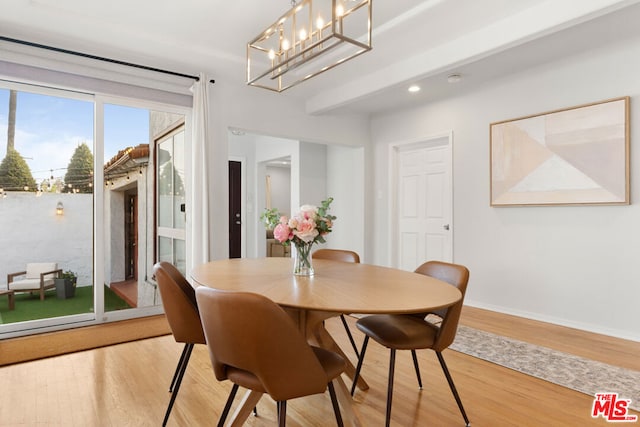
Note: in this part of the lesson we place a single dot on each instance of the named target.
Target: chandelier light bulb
(339, 10)
(319, 23)
(303, 34)
(272, 54)
(285, 44)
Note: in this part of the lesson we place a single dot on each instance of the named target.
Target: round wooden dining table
(335, 288)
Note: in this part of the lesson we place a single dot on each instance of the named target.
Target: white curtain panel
(200, 143)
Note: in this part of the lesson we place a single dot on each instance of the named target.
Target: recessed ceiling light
(454, 78)
(414, 88)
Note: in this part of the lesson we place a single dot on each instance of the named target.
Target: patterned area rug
(577, 373)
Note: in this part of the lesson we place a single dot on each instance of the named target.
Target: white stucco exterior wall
(30, 231)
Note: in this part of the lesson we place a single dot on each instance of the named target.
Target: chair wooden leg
(452, 386)
(359, 367)
(227, 406)
(415, 365)
(176, 387)
(351, 340)
(282, 413)
(179, 367)
(334, 402)
(392, 368)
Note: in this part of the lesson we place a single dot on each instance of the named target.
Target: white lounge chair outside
(39, 276)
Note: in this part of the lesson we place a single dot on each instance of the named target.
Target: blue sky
(48, 130)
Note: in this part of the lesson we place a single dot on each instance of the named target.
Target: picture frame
(573, 156)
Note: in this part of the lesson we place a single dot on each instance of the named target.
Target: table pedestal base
(311, 325)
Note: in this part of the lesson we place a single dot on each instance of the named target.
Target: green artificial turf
(29, 307)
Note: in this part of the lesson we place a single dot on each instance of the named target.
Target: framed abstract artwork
(574, 156)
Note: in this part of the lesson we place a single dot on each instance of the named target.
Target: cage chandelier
(311, 38)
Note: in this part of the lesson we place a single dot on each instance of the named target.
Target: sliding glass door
(171, 198)
(46, 206)
(85, 195)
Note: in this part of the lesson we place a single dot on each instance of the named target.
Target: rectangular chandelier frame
(292, 50)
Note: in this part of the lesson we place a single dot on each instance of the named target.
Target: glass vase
(302, 265)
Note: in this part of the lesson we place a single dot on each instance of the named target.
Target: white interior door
(423, 202)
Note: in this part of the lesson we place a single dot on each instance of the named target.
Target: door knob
(446, 226)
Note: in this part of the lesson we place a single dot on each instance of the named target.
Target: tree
(15, 174)
(169, 180)
(79, 176)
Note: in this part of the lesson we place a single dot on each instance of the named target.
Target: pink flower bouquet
(305, 228)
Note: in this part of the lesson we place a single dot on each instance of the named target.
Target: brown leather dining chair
(254, 344)
(344, 256)
(181, 310)
(416, 331)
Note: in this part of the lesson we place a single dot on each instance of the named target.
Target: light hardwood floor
(126, 385)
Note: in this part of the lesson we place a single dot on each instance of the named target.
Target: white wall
(317, 172)
(312, 174)
(30, 231)
(568, 265)
(261, 112)
(280, 178)
(345, 183)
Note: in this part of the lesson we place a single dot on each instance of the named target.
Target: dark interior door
(235, 206)
(131, 236)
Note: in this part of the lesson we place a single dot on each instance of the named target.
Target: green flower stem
(302, 264)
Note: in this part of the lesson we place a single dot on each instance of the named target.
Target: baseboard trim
(593, 328)
(32, 347)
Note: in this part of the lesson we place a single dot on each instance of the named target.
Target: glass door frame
(99, 315)
(164, 231)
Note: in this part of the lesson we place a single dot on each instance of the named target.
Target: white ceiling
(414, 41)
